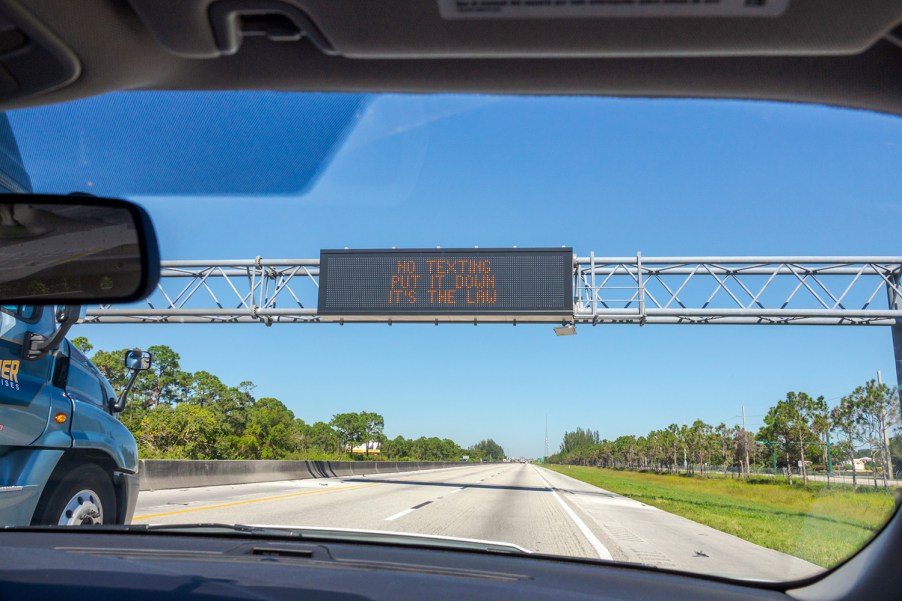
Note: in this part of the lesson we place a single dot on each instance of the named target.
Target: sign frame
(560, 314)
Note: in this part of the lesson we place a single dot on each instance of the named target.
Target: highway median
(162, 474)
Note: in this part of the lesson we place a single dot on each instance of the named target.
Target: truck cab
(65, 458)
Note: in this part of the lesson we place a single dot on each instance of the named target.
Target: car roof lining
(818, 52)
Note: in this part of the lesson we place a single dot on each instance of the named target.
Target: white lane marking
(455, 490)
(400, 514)
(602, 551)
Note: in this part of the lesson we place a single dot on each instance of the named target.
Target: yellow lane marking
(249, 501)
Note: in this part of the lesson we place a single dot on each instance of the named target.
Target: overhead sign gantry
(506, 285)
(523, 285)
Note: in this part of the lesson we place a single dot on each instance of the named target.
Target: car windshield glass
(649, 331)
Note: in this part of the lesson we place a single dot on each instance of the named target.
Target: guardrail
(161, 474)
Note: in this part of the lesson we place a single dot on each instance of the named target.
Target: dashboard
(139, 566)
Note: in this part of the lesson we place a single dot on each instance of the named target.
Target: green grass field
(823, 526)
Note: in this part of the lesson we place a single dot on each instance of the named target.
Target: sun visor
(393, 29)
(32, 60)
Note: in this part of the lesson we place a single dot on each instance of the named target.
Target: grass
(821, 525)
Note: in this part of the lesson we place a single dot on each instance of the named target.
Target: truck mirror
(35, 346)
(67, 313)
(137, 360)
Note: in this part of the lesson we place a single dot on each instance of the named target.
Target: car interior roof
(818, 51)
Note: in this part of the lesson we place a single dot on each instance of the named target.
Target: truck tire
(82, 497)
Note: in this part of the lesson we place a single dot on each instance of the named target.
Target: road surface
(524, 504)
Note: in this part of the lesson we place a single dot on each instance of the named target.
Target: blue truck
(65, 458)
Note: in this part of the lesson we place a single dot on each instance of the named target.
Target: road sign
(533, 284)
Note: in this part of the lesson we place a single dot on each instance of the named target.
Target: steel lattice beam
(862, 291)
(737, 290)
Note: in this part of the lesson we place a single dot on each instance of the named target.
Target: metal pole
(829, 459)
(641, 282)
(894, 299)
(745, 443)
(594, 289)
(887, 455)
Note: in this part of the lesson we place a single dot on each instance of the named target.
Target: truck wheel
(83, 497)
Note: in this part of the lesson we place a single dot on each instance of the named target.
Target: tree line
(176, 414)
(800, 433)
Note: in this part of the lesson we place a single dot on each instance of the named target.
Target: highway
(535, 508)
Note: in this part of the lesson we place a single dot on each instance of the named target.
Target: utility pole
(745, 443)
(545, 456)
(893, 285)
(888, 459)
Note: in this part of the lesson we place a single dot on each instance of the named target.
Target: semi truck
(65, 458)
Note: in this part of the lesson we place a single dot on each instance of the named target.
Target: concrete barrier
(161, 474)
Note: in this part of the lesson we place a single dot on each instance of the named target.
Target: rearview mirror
(137, 360)
(75, 249)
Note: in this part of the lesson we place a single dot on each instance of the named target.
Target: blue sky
(663, 177)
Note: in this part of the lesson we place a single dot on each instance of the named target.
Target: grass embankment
(821, 525)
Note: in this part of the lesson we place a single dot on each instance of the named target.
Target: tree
(725, 441)
(205, 389)
(182, 432)
(164, 382)
(175, 414)
(373, 424)
(112, 365)
(323, 438)
(82, 344)
(490, 449)
(168, 382)
(674, 443)
(845, 419)
(698, 440)
(744, 444)
(876, 405)
(270, 431)
(788, 422)
(578, 440)
(398, 448)
(821, 426)
(351, 429)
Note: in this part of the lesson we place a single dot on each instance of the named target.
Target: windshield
(373, 299)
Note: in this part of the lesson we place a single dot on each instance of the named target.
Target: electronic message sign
(528, 284)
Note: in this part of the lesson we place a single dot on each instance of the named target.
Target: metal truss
(860, 291)
(263, 291)
(857, 291)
